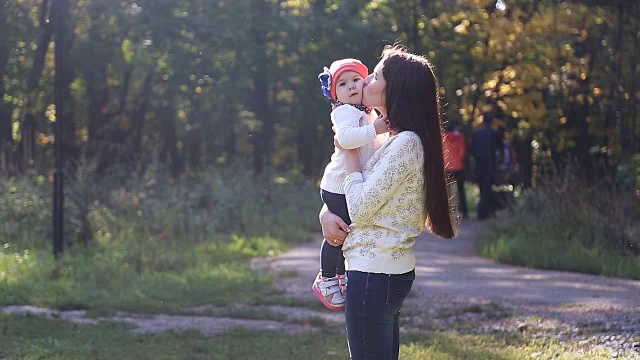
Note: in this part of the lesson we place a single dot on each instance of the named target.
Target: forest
(197, 118)
(191, 136)
(199, 83)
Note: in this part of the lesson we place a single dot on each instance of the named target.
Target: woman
(404, 190)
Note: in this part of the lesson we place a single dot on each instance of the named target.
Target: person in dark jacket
(486, 143)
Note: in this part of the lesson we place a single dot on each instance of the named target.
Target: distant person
(521, 142)
(455, 151)
(486, 143)
(356, 128)
(506, 171)
(507, 164)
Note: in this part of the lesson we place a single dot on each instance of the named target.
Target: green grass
(99, 278)
(30, 337)
(450, 346)
(148, 243)
(529, 248)
(569, 226)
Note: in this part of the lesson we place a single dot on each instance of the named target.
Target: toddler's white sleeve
(350, 134)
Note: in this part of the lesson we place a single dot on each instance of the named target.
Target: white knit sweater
(387, 209)
(354, 129)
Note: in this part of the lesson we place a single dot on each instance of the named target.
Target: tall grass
(148, 241)
(566, 225)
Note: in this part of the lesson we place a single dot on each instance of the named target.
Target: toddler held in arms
(356, 127)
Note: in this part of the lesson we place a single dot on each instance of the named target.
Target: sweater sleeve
(402, 157)
(348, 130)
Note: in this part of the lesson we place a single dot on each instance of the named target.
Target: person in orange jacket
(455, 151)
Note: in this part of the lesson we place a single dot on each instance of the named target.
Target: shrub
(148, 241)
(564, 224)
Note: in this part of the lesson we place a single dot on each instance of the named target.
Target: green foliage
(152, 242)
(181, 80)
(132, 273)
(26, 210)
(565, 225)
(28, 337)
(261, 246)
(473, 196)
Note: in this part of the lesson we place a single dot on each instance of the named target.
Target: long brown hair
(413, 103)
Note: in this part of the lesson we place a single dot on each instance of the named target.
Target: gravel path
(458, 291)
(449, 267)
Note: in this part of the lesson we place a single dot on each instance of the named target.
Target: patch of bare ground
(582, 328)
(153, 323)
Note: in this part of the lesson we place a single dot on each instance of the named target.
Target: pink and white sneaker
(342, 283)
(329, 291)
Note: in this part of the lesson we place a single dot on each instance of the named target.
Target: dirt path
(458, 291)
(449, 267)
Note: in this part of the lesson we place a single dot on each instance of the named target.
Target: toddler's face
(349, 87)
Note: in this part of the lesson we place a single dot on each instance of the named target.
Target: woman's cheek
(368, 89)
(365, 97)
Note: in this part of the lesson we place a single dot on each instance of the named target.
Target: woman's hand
(382, 125)
(334, 229)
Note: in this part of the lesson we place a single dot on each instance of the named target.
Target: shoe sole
(325, 302)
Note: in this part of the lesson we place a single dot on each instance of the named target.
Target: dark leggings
(331, 257)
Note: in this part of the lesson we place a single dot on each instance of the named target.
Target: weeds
(566, 225)
(148, 242)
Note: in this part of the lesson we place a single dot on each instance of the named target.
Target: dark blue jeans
(372, 312)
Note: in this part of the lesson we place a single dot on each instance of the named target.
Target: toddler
(355, 127)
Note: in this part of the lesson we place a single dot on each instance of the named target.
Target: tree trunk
(412, 28)
(138, 119)
(230, 114)
(260, 93)
(5, 135)
(28, 140)
(612, 113)
(5, 114)
(28, 128)
(44, 38)
(115, 130)
(98, 97)
(578, 112)
(169, 147)
(633, 100)
(193, 137)
(71, 149)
